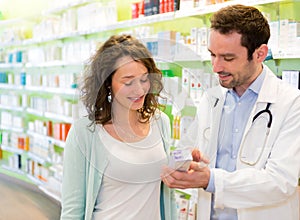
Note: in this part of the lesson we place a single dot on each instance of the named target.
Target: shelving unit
(38, 90)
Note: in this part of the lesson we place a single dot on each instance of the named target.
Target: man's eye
(228, 59)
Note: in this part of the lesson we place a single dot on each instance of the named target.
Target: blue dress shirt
(235, 114)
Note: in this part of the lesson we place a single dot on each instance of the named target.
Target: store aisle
(20, 200)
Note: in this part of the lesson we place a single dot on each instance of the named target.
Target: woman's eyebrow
(132, 76)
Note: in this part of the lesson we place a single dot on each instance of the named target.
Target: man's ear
(261, 53)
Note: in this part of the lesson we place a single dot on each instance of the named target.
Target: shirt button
(236, 130)
(234, 156)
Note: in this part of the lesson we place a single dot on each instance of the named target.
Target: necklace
(124, 134)
(131, 135)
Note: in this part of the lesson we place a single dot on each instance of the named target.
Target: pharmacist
(249, 128)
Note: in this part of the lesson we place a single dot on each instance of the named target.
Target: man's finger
(197, 165)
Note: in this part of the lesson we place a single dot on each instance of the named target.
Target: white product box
(293, 38)
(274, 38)
(286, 76)
(283, 36)
(185, 81)
(180, 159)
(291, 77)
(186, 5)
(167, 41)
(171, 87)
(295, 78)
(202, 42)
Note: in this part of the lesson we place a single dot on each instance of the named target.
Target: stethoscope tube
(267, 110)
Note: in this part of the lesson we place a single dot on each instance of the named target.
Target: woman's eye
(128, 83)
(144, 80)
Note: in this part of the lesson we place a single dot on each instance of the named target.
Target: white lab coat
(267, 190)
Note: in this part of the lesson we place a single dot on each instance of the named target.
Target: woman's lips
(138, 99)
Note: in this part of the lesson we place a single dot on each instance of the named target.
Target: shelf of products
(39, 70)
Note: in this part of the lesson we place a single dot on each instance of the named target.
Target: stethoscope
(206, 133)
(266, 110)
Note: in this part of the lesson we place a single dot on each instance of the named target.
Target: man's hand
(196, 177)
(199, 157)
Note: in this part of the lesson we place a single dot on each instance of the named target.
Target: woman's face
(130, 84)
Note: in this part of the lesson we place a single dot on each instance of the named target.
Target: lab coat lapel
(217, 101)
(266, 95)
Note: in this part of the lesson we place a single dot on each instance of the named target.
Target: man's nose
(217, 65)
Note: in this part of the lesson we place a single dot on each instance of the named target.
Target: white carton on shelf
(283, 34)
(274, 38)
(295, 78)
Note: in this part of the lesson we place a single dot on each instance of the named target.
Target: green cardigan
(85, 159)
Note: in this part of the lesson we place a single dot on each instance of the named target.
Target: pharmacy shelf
(147, 20)
(12, 149)
(35, 112)
(50, 115)
(10, 65)
(52, 189)
(59, 10)
(12, 108)
(14, 170)
(32, 156)
(11, 128)
(51, 140)
(39, 159)
(56, 63)
(14, 21)
(52, 90)
(11, 87)
(58, 117)
(286, 55)
(73, 92)
(34, 179)
(208, 9)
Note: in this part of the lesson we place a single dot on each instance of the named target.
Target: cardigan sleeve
(168, 205)
(73, 184)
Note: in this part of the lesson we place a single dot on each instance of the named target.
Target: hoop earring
(109, 98)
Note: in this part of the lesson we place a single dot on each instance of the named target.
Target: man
(248, 127)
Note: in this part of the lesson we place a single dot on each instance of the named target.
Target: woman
(113, 157)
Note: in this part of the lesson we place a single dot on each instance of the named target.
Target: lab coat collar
(217, 95)
(266, 94)
(269, 87)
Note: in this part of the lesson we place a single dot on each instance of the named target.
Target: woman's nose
(140, 89)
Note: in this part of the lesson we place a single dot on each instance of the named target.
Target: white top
(131, 182)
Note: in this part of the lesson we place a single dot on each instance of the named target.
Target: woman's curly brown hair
(97, 77)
